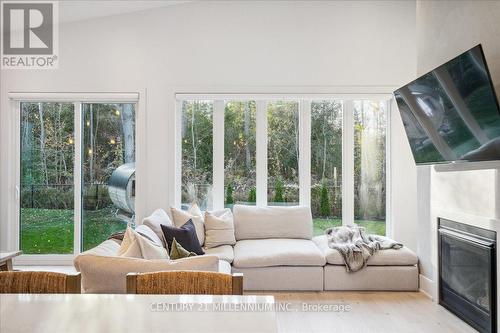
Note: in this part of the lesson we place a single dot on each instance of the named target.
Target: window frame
(305, 101)
(77, 99)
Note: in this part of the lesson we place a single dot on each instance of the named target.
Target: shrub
(324, 208)
(229, 195)
(278, 188)
(252, 195)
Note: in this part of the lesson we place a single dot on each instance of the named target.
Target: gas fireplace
(467, 273)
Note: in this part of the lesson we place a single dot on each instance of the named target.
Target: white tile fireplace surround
(468, 194)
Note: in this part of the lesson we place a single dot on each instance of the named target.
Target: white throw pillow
(130, 245)
(193, 213)
(147, 232)
(150, 250)
(155, 220)
(136, 246)
(219, 228)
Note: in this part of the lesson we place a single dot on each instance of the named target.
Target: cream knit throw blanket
(356, 246)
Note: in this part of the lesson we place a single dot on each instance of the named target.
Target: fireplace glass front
(467, 269)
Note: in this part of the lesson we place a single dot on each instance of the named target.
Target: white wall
(472, 192)
(230, 47)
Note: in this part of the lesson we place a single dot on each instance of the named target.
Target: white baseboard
(427, 287)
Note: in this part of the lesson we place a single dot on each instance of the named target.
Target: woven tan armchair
(185, 282)
(25, 282)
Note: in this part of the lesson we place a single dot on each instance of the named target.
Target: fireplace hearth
(467, 273)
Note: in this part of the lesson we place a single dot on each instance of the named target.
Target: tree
(128, 121)
(252, 195)
(229, 194)
(246, 130)
(91, 152)
(278, 190)
(43, 153)
(324, 208)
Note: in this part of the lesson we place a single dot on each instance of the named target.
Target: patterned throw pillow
(185, 235)
(178, 252)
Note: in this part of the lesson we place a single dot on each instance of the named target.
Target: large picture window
(197, 153)
(328, 153)
(369, 165)
(239, 153)
(326, 164)
(283, 153)
(70, 153)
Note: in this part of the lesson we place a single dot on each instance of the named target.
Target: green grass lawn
(50, 231)
(372, 227)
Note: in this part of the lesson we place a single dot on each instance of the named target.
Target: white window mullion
(305, 153)
(261, 153)
(14, 208)
(178, 154)
(77, 174)
(388, 171)
(218, 155)
(348, 163)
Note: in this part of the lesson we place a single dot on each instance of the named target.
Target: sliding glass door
(76, 174)
(47, 178)
(108, 147)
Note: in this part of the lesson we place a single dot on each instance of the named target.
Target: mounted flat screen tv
(451, 113)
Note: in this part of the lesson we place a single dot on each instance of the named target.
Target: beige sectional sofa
(275, 250)
(104, 272)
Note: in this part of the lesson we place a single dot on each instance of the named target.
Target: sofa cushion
(107, 274)
(185, 235)
(391, 257)
(181, 217)
(251, 222)
(277, 252)
(147, 232)
(155, 220)
(219, 228)
(178, 252)
(224, 252)
(130, 245)
(224, 267)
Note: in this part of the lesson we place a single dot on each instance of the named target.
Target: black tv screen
(452, 113)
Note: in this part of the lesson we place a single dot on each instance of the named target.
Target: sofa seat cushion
(277, 252)
(224, 252)
(391, 257)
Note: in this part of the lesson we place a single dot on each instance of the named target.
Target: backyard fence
(61, 196)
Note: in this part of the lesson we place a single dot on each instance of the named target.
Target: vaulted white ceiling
(79, 10)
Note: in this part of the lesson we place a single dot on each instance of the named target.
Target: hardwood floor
(370, 312)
